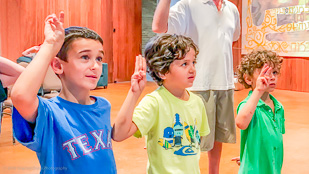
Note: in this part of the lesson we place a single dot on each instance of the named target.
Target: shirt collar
(261, 103)
(209, 1)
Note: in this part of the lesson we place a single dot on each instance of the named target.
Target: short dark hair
(73, 33)
(163, 50)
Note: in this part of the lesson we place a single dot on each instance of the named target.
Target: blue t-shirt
(69, 137)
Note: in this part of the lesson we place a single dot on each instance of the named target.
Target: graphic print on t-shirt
(102, 141)
(173, 138)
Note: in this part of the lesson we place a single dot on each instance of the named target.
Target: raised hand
(54, 31)
(138, 79)
(263, 80)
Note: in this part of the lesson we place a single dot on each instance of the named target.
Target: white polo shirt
(214, 32)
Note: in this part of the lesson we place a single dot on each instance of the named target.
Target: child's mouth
(94, 77)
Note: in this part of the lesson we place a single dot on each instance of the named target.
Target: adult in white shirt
(213, 25)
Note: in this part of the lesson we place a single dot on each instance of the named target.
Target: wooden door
(127, 37)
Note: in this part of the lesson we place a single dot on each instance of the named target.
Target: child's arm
(24, 92)
(244, 116)
(9, 71)
(124, 127)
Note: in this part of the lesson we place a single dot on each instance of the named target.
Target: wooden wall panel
(106, 30)
(294, 74)
(127, 36)
(22, 23)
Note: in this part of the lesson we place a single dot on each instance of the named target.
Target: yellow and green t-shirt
(261, 145)
(172, 128)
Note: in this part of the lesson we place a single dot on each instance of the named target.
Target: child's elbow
(16, 97)
(118, 138)
(24, 103)
(240, 124)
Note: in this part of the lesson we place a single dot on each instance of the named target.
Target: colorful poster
(279, 25)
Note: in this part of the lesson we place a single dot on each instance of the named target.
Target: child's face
(181, 72)
(84, 64)
(272, 81)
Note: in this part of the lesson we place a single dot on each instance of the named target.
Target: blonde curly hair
(255, 60)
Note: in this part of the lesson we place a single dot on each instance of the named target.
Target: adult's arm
(160, 18)
(9, 71)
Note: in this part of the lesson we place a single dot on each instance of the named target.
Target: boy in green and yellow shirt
(171, 118)
(260, 115)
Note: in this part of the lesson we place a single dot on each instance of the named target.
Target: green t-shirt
(261, 146)
(173, 128)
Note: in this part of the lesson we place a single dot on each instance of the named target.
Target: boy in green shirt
(260, 115)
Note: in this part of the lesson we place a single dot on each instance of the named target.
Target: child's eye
(85, 57)
(275, 73)
(194, 62)
(99, 59)
(184, 64)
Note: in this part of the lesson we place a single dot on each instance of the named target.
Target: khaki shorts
(219, 108)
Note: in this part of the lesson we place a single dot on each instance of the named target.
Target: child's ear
(248, 79)
(162, 76)
(57, 65)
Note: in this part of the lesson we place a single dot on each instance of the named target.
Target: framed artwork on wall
(279, 25)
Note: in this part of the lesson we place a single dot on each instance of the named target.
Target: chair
(51, 84)
(103, 81)
(4, 105)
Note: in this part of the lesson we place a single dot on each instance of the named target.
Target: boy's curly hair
(161, 51)
(73, 33)
(256, 59)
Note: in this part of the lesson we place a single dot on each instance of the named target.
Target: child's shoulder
(158, 93)
(195, 96)
(60, 102)
(100, 99)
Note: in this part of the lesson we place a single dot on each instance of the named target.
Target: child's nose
(95, 64)
(272, 76)
(192, 68)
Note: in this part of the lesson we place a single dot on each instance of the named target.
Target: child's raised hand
(54, 31)
(262, 82)
(138, 79)
(237, 160)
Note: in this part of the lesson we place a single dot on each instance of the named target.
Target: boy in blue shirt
(70, 133)
(260, 115)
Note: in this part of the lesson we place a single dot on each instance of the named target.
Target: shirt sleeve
(145, 115)
(237, 26)
(178, 18)
(240, 106)
(32, 134)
